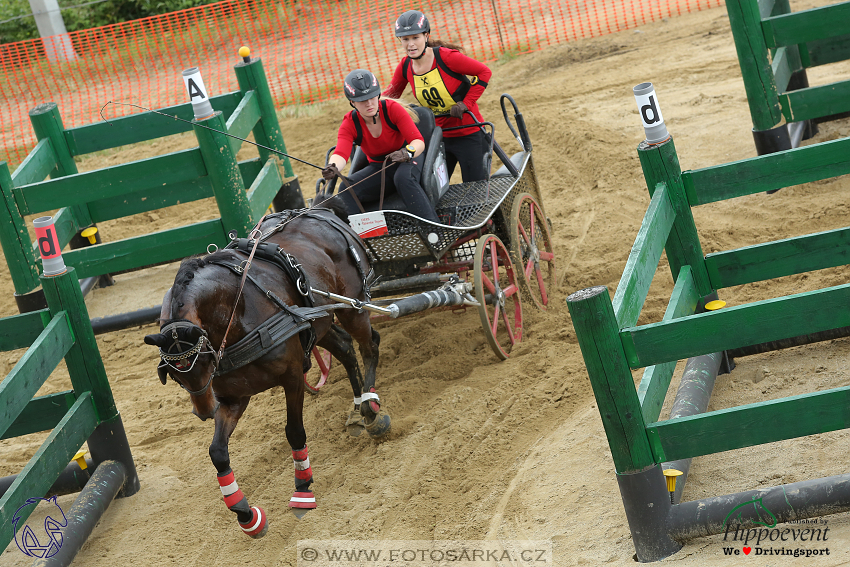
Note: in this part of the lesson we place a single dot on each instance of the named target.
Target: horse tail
(327, 201)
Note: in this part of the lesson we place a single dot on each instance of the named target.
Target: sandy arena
(482, 449)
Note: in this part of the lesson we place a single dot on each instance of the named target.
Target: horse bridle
(176, 355)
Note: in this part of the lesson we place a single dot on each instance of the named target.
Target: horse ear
(163, 375)
(156, 340)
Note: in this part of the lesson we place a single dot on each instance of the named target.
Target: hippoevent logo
(50, 541)
(767, 538)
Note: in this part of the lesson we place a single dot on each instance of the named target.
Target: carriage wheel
(531, 250)
(322, 368)
(498, 295)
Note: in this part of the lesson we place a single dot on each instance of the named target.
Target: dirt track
(482, 449)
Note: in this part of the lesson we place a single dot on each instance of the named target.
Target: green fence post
(15, 239)
(251, 76)
(661, 165)
(85, 366)
(47, 123)
(598, 336)
(227, 183)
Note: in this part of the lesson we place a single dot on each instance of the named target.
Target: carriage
(492, 249)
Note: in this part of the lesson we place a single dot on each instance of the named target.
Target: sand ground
(482, 449)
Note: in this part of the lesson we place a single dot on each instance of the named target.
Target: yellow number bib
(432, 92)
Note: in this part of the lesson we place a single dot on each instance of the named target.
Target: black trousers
(401, 178)
(469, 152)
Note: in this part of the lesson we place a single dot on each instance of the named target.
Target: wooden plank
(140, 127)
(20, 331)
(830, 50)
(119, 180)
(816, 102)
(807, 25)
(38, 164)
(732, 327)
(41, 414)
(781, 69)
(264, 188)
(656, 379)
(772, 171)
(243, 119)
(24, 380)
(779, 258)
(751, 424)
(643, 259)
(15, 237)
(52, 457)
(165, 196)
(140, 251)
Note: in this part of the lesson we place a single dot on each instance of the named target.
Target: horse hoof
(379, 426)
(354, 424)
(301, 503)
(258, 525)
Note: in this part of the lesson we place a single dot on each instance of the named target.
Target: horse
(272, 329)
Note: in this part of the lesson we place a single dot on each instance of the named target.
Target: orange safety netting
(306, 48)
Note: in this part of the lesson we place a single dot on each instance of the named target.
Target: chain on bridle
(178, 359)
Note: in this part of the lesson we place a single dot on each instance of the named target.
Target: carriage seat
(517, 160)
(435, 157)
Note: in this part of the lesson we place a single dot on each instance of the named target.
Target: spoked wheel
(498, 295)
(320, 371)
(531, 250)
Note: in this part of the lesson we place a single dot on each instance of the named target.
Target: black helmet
(361, 84)
(411, 22)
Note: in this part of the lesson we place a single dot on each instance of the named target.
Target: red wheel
(322, 369)
(531, 250)
(498, 295)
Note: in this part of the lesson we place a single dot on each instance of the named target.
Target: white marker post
(650, 113)
(48, 246)
(197, 93)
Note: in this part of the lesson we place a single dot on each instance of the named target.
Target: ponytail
(407, 107)
(446, 44)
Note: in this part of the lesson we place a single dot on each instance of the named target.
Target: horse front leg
(252, 519)
(303, 500)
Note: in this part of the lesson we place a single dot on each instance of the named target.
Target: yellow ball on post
(245, 54)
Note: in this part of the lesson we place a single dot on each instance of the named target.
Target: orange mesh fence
(306, 47)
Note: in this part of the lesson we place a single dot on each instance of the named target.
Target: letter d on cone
(48, 246)
(650, 113)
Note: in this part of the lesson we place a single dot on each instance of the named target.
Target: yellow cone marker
(89, 233)
(245, 54)
(80, 457)
(715, 305)
(670, 475)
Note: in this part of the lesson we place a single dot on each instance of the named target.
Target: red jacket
(397, 130)
(445, 84)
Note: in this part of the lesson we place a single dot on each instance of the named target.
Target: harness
(278, 328)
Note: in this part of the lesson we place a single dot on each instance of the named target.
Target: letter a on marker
(195, 90)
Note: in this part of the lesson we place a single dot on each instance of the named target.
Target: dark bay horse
(195, 319)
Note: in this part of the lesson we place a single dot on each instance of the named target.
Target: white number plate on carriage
(368, 225)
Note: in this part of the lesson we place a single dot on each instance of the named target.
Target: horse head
(187, 353)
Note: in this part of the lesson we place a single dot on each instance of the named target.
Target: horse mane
(186, 273)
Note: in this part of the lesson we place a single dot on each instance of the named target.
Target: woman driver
(438, 73)
(382, 128)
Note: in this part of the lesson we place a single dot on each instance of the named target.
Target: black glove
(458, 109)
(330, 172)
(399, 156)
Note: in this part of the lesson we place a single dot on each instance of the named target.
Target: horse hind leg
(339, 343)
(252, 519)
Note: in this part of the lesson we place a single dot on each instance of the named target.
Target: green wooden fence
(613, 344)
(775, 46)
(243, 190)
(63, 330)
